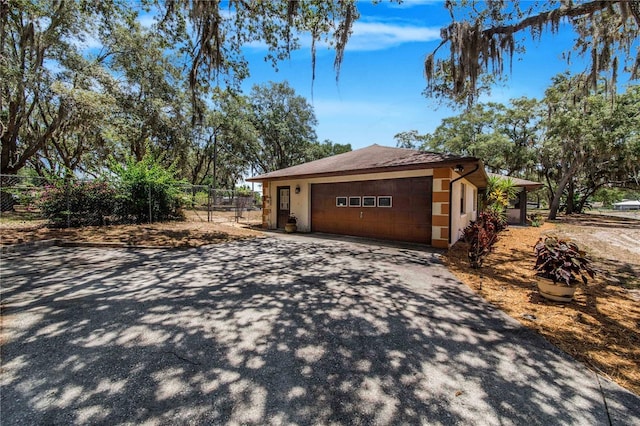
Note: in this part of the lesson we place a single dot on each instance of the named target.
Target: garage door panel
(408, 219)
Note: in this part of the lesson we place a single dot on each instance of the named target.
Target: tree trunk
(581, 204)
(570, 194)
(555, 203)
(549, 189)
(583, 200)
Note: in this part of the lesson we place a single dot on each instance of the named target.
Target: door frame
(280, 221)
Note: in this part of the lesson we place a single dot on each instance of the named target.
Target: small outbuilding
(377, 192)
(627, 205)
(517, 210)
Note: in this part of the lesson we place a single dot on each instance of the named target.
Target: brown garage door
(391, 209)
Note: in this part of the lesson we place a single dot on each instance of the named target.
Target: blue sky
(379, 93)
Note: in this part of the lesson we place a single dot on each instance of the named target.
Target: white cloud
(406, 4)
(379, 36)
(370, 36)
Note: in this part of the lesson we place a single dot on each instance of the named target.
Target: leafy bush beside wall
(481, 235)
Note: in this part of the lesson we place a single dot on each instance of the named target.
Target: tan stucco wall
(440, 208)
(459, 221)
(300, 204)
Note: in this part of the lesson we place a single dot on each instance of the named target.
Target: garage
(390, 209)
(377, 192)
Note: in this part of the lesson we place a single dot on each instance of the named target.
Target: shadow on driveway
(275, 331)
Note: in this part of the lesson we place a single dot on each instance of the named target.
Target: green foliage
(50, 107)
(500, 190)
(224, 143)
(217, 44)
(197, 199)
(325, 149)
(26, 195)
(576, 140)
(68, 108)
(23, 190)
(409, 140)
(591, 142)
(78, 203)
(150, 108)
(141, 181)
(243, 191)
(609, 196)
(284, 123)
(504, 137)
(536, 220)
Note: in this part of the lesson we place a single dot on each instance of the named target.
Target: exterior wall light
(459, 168)
(297, 189)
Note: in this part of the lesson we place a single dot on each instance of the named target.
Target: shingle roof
(529, 184)
(374, 158)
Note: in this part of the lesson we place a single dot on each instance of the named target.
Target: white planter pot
(555, 292)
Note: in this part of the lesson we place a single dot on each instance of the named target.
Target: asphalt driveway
(275, 331)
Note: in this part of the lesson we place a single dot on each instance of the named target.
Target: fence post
(209, 203)
(150, 219)
(66, 186)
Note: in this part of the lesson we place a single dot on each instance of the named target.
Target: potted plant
(559, 265)
(291, 225)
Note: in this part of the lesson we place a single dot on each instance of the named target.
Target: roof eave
(371, 170)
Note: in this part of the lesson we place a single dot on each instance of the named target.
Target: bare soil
(194, 231)
(601, 326)
(613, 241)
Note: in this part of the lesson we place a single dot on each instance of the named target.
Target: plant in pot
(292, 224)
(559, 265)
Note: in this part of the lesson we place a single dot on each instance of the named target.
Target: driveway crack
(181, 358)
(604, 398)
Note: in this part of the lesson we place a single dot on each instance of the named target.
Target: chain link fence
(97, 202)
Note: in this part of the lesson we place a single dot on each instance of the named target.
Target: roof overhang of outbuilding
(377, 159)
(520, 183)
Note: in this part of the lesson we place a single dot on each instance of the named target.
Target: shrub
(499, 191)
(78, 203)
(536, 220)
(496, 219)
(482, 234)
(146, 188)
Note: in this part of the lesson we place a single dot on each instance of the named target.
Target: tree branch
(549, 16)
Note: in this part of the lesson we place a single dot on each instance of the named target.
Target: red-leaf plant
(481, 235)
(562, 262)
